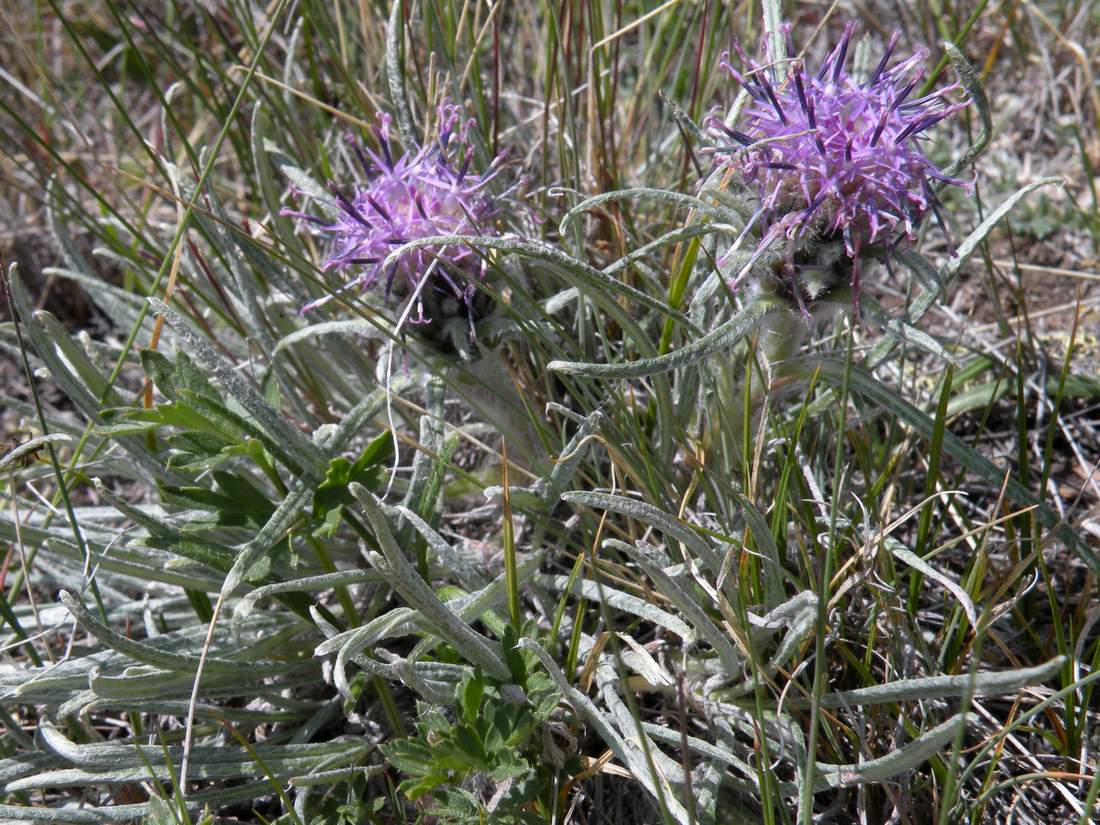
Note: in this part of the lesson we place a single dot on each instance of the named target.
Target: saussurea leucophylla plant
(242, 467)
(834, 160)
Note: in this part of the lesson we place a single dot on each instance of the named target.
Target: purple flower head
(420, 194)
(834, 157)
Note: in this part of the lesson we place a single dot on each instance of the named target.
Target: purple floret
(838, 158)
(402, 198)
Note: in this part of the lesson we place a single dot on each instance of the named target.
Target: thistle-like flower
(418, 194)
(834, 158)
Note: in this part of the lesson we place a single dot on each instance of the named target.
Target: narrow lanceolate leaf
(621, 601)
(672, 527)
(902, 331)
(894, 763)
(881, 351)
(683, 233)
(221, 761)
(671, 589)
(356, 328)
(684, 119)
(975, 238)
(723, 337)
(285, 515)
(478, 650)
(939, 687)
(906, 555)
(773, 30)
(659, 195)
(973, 85)
(150, 655)
(395, 74)
(322, 582)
